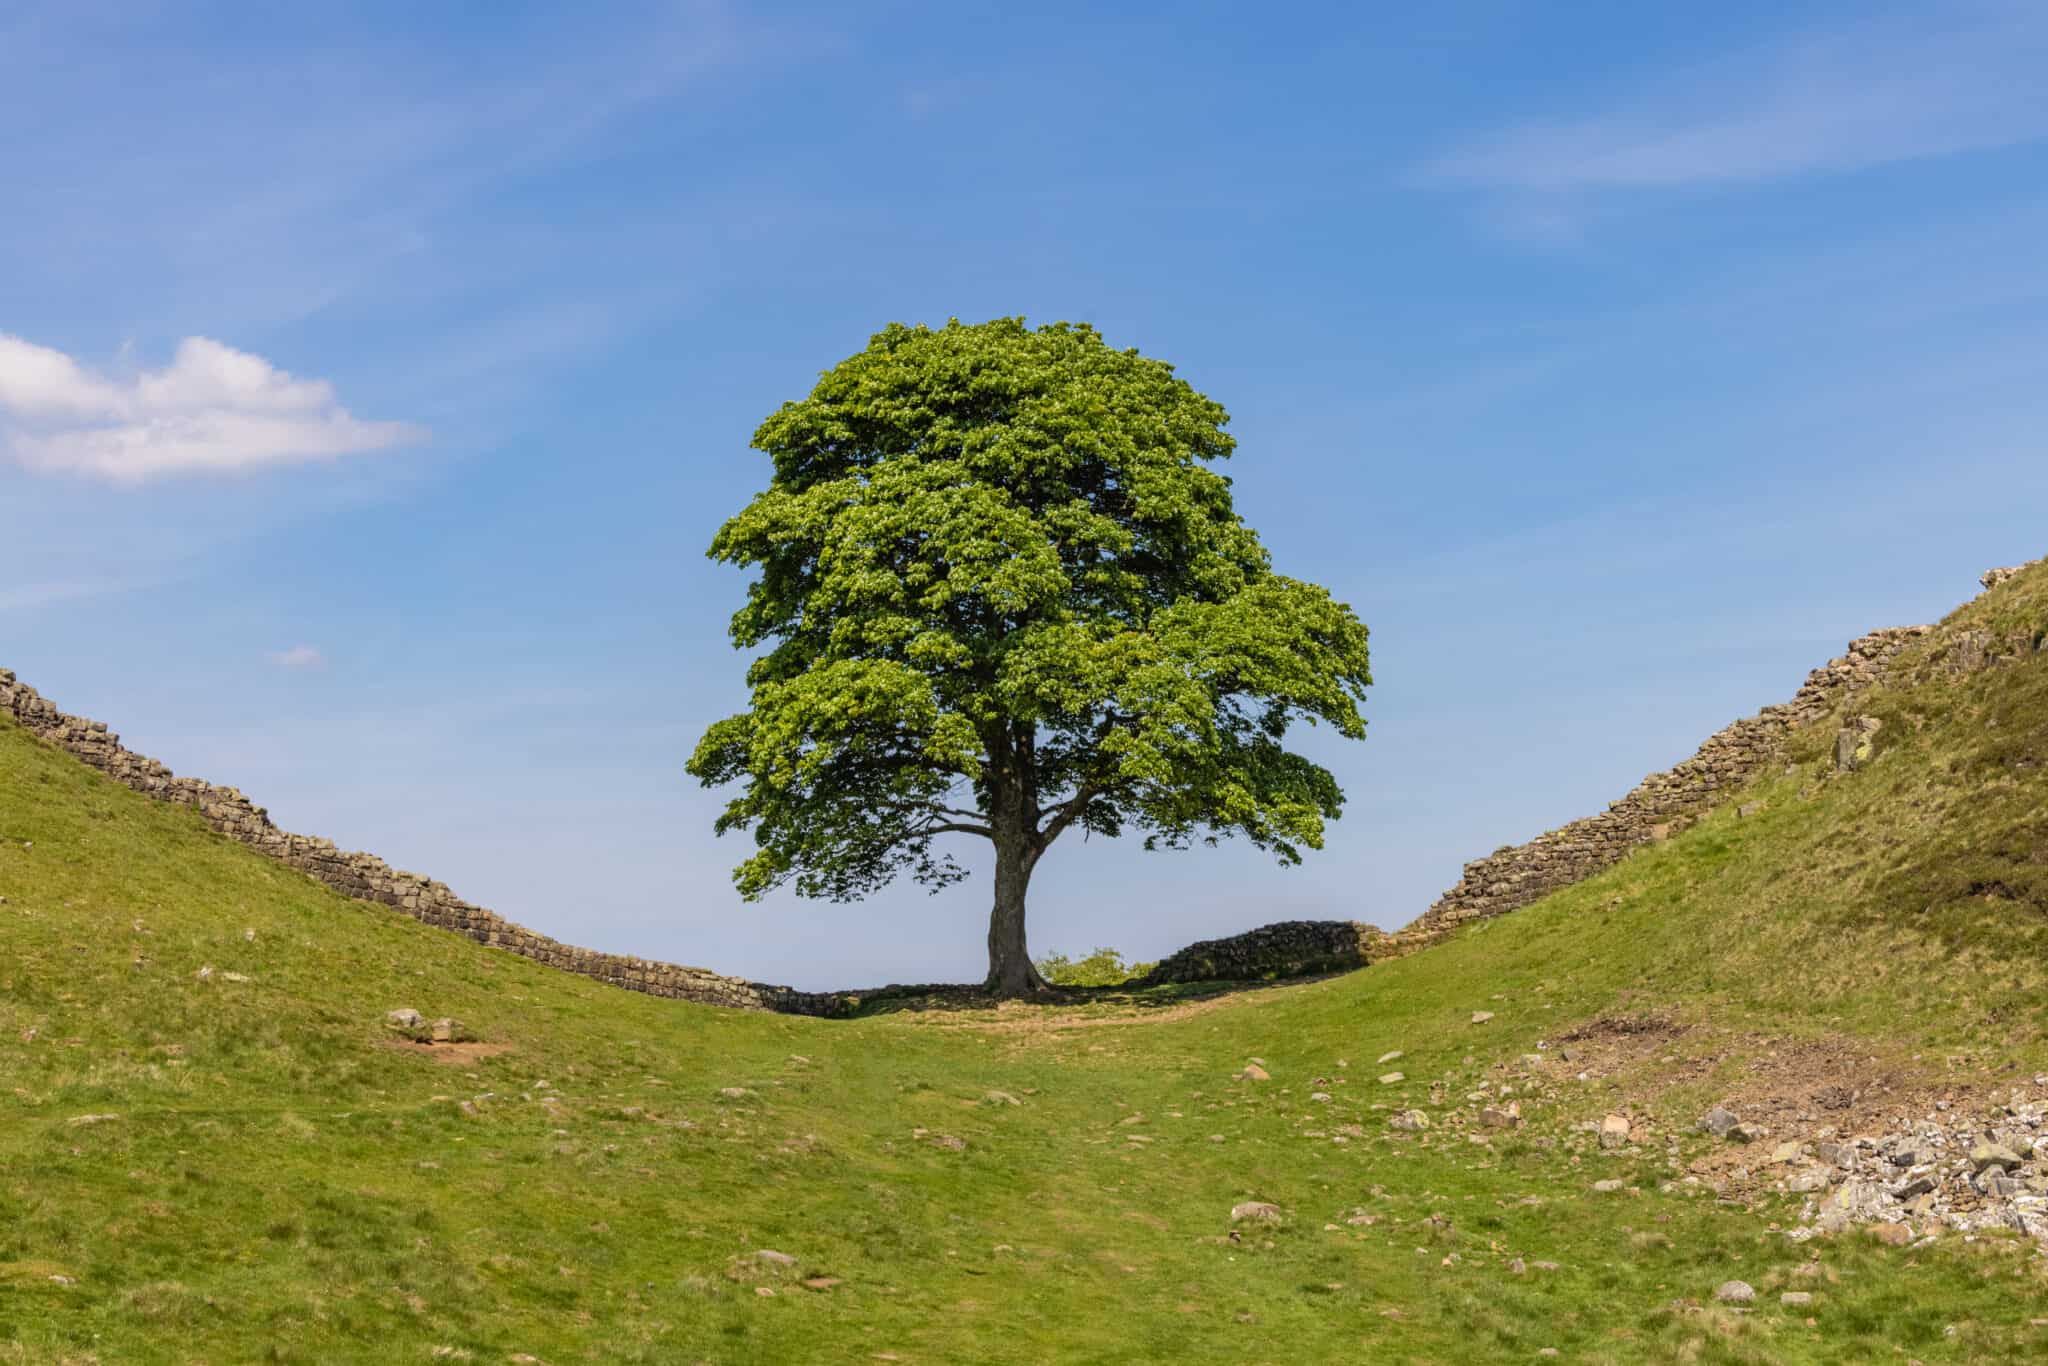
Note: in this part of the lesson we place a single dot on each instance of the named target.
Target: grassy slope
(283, 1185)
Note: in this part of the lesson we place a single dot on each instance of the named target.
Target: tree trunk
(1010, 970)
(1012, 818)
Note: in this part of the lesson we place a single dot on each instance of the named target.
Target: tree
(1003, 594)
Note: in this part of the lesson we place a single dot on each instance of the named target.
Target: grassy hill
(250, 1166)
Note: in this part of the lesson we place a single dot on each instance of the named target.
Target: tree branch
(1067, 812)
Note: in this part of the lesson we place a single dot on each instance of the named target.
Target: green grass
(283, 1184)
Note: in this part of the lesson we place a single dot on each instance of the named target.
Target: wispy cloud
(1944, 80)
(26, 597)
(212, 410)
(300, 659)
(367, 180)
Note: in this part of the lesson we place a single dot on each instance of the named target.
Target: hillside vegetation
(248, 1164)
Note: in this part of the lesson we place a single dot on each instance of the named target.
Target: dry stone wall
(1287, 948)
(1662, 803)
(365, 877)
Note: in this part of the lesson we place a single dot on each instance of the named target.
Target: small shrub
(1102, 968)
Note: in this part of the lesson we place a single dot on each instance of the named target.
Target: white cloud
(1938, 82)
(212, 410)
(300, 658)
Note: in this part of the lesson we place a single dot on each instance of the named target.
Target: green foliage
(1003, 593)
(1102, 968)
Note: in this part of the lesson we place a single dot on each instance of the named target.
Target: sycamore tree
(1003, 594)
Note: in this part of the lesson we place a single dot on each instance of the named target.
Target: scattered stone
(1993, 1155)
(1001, 1098)
(949, 1143)
(734, 1092)
(1614, 1131)
(450, 1030)
(1855, 1201)
(1410, 1121)
(1748, 809)
(774, 1258)
(1841, 1155)
(1719, 1122)
(86, 1121)
(1255, 1212)
(205, 973)
(1861, 735)
(1796, 1299)
(822, 1282)
(1481, 1016)
(1608, 1186)
(1253, 1072)
(1391, 1078)
(1502, 1116)
(1997, 1184)
(1812, 1179)
(1735, 1292)
(405, 1017)
(1788, 1151)
(1892, 1235)
(1391, 1055)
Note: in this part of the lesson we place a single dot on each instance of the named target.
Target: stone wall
(365, 877)
(1288, 948)
(1663, 803)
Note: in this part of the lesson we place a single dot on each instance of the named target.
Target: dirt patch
(454, 1054)
(1828, 1089)
(1026, 1018)
(1799, 1090)
(1624, 1027)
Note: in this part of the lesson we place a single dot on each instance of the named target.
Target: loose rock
(1735, 1292)
(1993, 1155)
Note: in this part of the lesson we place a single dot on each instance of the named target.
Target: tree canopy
(1003, 593)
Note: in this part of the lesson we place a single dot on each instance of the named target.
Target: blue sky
(1618, 363)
